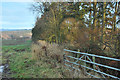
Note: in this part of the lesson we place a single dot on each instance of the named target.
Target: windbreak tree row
(91, 27)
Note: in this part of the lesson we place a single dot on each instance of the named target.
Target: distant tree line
(88, 26)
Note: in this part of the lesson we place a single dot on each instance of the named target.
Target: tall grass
(37, 52)
(47, 50)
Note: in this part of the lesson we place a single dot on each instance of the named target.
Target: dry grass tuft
(37, 52)
(55, 51)
(47, 50)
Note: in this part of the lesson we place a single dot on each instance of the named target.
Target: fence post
(85, 65)
(93, 58)
(78, 54)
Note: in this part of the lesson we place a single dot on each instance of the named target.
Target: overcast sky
(17, 15)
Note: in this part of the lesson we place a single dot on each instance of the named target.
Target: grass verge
(22, 65)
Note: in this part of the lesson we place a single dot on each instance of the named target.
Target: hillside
(13, 29)
(15, 34)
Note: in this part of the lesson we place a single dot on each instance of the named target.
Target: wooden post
(85, 65)
(78, 54)
(93, 58)
(93, 61)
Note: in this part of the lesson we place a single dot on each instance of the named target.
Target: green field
(21, 64)
(15, 42)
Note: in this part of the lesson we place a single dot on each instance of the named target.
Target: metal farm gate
(85, 60)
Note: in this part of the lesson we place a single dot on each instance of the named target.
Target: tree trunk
(115, 17)
(94, 20)
(94, 14)
(90, 22)
(103, 22)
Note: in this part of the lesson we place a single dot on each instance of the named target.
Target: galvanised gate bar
(88, 60)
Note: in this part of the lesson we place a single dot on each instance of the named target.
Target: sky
(17, 15)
